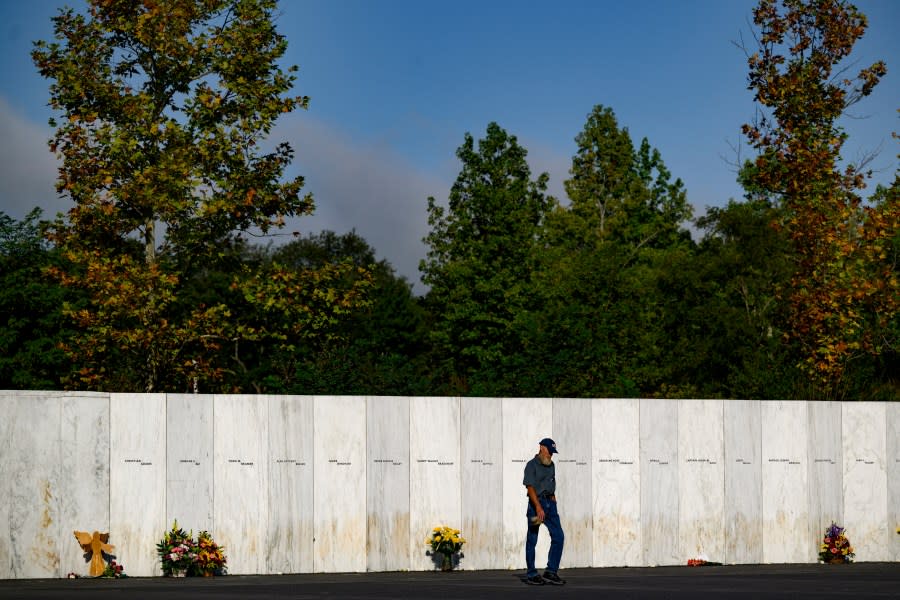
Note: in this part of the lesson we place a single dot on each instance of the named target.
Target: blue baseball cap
(549, 444)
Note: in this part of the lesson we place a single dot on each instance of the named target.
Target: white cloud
(27, 168)
(363, 186)
(369, 187)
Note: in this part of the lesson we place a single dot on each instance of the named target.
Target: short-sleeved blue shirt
(541, 478)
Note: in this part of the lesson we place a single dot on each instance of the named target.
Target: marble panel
(826, 494)
(9, 410)
(864, 431)
(701, 480)
(290, 528)
(189, 461)
(526, 421)
(572, 434)
(659, 481)
(83, 488)
(137, 479)
(387, 484)
(743, 482)
(893, 477)
(616, 482)
(30, 479)
(481, 469)
(434, 472)
(785, 489)
(240, 458)
(339, 463)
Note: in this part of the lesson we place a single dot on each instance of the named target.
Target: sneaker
(534, 580)
(553, 578)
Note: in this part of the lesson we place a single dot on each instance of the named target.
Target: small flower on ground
(114, 570)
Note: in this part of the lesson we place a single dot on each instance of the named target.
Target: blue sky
(395, 84)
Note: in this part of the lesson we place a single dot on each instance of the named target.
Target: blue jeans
(557, 537)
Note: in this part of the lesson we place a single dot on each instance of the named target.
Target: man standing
(540, 482)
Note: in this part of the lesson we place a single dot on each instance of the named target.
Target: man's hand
(538, 509)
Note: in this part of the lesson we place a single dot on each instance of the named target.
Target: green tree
(481, 256)
(729, 339)
(164, 110)
(618, 193)
(601, 326)
(377, 349)
(31, 319)
(842, 284)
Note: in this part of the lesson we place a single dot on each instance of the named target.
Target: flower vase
(178, 573)
(447, 563)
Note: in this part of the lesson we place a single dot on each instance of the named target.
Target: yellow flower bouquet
(445, 541)
(210, 558)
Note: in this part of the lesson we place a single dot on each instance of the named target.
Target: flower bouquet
(176, 552)
(210, 559)
(445, 541)
(835, 547)
(114, 570)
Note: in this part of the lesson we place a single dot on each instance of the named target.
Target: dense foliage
(844, 292)
(482, 254)
(789, 292)
(31, 321)
(163, 110)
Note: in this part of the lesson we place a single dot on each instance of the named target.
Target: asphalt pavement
(847, 582)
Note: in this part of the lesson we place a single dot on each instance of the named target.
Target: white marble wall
(481, 489)
(289, 547)
(82, 491)
(434, 473)
(387, 482)
(189, 461)
(137, 479)
(701, 480)
(572, 428)
(30, 484)
(785, 507)
(825, 466)
(743, 482)
(659, 482)
(9, 412)
(338, 484)
(526, 421)
(54, 479)
(892, 414)
(339, 488)
(865, 479)
(616, 483)
(240, 504)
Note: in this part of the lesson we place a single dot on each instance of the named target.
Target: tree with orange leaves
(844, 294)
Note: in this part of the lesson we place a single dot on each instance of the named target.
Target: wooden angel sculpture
(95, 546)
